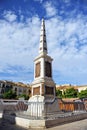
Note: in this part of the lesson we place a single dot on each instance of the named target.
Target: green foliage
(70, 93)
(26, 97)
(59, 93)
(82, 94)
(9, 95)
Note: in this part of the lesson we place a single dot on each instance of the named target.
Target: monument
(43, 110)
(43, 101)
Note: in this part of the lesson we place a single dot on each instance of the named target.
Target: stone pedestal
(40, 106)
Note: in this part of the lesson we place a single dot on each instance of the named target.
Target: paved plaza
(78, 125)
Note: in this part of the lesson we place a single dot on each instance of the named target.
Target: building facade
(63, 87)
(19, 88)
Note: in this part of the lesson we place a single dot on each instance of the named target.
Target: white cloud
(39, 1)
(67, 2)
(18, 43)
(50, 9)
(10, 16)
(67, 44)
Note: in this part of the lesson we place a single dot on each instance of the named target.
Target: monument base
(41, 106)
(27, 122)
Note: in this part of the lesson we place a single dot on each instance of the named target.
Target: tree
(9, 95)
(82, 94)
(70, 93)
(59, 93)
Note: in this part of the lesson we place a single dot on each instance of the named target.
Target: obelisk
(43, 100)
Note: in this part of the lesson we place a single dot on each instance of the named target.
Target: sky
(66, 30)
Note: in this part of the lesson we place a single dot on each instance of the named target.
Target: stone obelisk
(43, 100)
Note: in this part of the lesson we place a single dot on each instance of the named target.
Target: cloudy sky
(66, 30)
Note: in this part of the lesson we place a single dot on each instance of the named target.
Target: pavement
(78, 125)
(5, 125)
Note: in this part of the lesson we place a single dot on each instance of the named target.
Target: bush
(59, 93)
(9, 95)
(82, 94)
(26, 97)
(70, 93)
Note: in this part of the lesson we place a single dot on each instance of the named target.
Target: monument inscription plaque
(37, 70)
(49, 90)
(48, 72)
(36, 91)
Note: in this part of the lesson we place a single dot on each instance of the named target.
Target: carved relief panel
(37, 70)
(48, 71)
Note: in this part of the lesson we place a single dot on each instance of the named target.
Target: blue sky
(66, 29)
